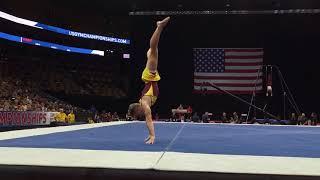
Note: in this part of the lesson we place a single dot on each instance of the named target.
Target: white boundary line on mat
(43, 131)
(173, 161)
(230, 124)
(78, 158)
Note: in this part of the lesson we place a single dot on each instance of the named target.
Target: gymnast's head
(135, 111)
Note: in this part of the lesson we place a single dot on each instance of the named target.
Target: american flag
(235, 70)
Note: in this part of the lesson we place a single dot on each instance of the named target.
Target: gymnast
(150, 76)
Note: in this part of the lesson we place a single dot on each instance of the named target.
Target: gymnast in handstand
(150, 76)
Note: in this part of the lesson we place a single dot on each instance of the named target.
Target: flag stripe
(230, 88)
(252, 82)
(230, 84)
(234, 53)
(242, 67)
(235, 60)
(219, 92)
(243, 50)
(227, 74)
(226, 78)
(243, 57)
(243, 63)
(242, 70)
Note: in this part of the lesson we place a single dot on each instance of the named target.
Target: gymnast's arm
(149, 122)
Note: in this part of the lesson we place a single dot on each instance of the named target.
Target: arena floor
(182, 151)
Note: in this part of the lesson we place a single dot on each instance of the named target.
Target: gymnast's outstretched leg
(152, 54)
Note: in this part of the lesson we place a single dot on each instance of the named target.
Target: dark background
(290, 41)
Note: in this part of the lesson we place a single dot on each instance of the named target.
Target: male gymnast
(150, 76)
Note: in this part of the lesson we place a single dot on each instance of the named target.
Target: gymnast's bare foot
(163, 23)
(149, 140)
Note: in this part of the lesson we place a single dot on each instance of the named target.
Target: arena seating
(66, 77)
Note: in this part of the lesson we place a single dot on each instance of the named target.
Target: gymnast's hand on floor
(149, 140)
